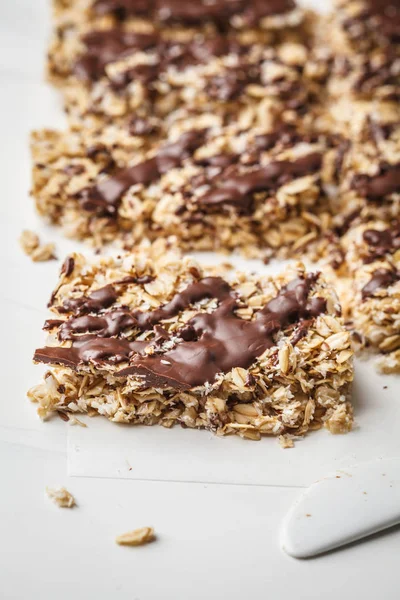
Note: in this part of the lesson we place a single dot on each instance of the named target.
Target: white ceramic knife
(343, 507)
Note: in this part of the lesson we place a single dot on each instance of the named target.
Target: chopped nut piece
(62, 497)
(138, 537)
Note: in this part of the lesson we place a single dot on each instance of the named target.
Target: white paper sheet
(105, 449)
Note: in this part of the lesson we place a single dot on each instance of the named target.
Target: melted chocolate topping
(375, 187)
(381, 242)
(106, 195)
(232, 83)
(381, 279)
(236, 189)
(194, 13)
(105, 46)
(68, 266)
(95, 302)
(211, 343)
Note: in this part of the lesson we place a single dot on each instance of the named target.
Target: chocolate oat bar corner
(373, 252)
(154, 338)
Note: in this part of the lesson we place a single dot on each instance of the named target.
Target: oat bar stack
(365, 85)
(152, 337)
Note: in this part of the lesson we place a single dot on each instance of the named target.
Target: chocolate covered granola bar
(370, 173)
(364, 35)
(153, 60)
(154, 338)
(211, 187)
(373, 301)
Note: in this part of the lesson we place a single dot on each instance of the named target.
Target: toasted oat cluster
(151, 337)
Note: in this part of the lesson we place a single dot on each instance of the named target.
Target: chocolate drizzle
(381, 242)
(106, 195)
(194, 13)
(381, 279)
(95, 302)
(375, 187)
(210, 343)
(236, 189)
(105, 46)
(176, 55)
(232, 83)
(68, 266)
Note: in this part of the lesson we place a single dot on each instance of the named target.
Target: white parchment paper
(105, 449)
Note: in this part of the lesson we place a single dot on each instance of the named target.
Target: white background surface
(214, 540)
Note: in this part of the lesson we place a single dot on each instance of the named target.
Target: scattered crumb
(30, 244)
(285, 441)
(385, 387)
(63, 416)
(345, 473)
(137, 537)
(308, 515)
(62, 497)
(75, 421)
(365, 493)
(338, 477)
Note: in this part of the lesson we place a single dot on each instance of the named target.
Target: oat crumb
(30, 244)
(60, 496)
(75, 421)
(286, 441)
(138, 537)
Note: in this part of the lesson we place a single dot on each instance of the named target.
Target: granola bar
(364, 25)
(115, 61)
(364, 37)
(211, 187)
(373, 304)
(152, 337)
(370, 173)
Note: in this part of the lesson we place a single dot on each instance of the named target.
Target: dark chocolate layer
(105, 46)
(236, 189)
(106, 195)
(210, 343)
(381, 279)
(381, 242)
(375, 187)
(195, 13)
